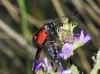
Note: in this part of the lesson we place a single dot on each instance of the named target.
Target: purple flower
(77, 41)
(47, 66)
(68, 71)
(66, 51)
(69, 38)
(80, 40)
(38, 65)
(43, 67)
(43, 64)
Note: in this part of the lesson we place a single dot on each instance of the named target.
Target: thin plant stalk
(25, 30)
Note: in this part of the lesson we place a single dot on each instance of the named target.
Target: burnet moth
(47, 36)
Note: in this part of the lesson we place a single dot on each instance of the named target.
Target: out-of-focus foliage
(20, 20)
(96, 69)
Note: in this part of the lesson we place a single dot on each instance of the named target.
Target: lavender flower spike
(38, 65)
(47, 66)
(43, 64)
(80, 40)
(66, 51)
(68, 71)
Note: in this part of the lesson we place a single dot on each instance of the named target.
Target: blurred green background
(21, 19)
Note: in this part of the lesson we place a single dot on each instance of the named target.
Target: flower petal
(50, 66)
(46, 62)
(66, 39)
(66, 51)
(68, 71)
(61, 68)
(33, 65)
(80, 40)
(87, 39)
(38, 66)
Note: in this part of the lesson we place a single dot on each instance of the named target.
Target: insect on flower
(47, 36)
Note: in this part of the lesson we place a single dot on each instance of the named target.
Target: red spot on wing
(42, 36)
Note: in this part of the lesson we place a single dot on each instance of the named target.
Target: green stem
(25, 31)
(23, 16)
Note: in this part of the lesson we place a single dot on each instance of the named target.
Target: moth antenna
(65, 16)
